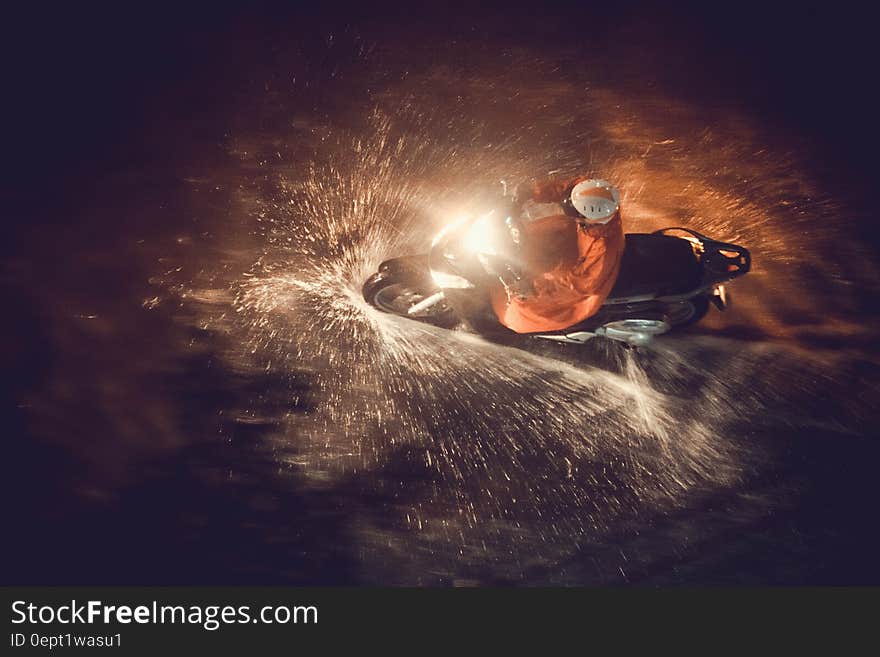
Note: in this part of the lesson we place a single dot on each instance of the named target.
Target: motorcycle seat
(656, 265)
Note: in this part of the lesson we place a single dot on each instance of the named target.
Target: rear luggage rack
(721, 261)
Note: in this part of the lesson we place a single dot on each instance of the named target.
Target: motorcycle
(668, 279)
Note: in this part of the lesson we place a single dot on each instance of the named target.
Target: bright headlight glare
(448, 228)
(479, 237)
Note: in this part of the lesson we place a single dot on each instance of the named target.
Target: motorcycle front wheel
(399, 295)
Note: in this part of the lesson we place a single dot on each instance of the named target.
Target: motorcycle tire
(394, 293)
(699, 305)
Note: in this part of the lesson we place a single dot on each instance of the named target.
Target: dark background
(78, 79)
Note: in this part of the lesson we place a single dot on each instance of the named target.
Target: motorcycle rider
(570, 244)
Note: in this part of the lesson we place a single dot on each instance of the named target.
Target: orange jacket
(572, 269)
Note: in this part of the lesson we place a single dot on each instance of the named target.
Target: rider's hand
(516, 286)
(515, 283)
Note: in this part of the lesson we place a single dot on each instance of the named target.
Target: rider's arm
(506, 265)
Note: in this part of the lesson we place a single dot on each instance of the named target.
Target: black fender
(411, 267)
(412, 270)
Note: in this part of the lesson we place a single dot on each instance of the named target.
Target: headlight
(480, 237)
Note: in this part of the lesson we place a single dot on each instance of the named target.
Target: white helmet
(595, 200)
